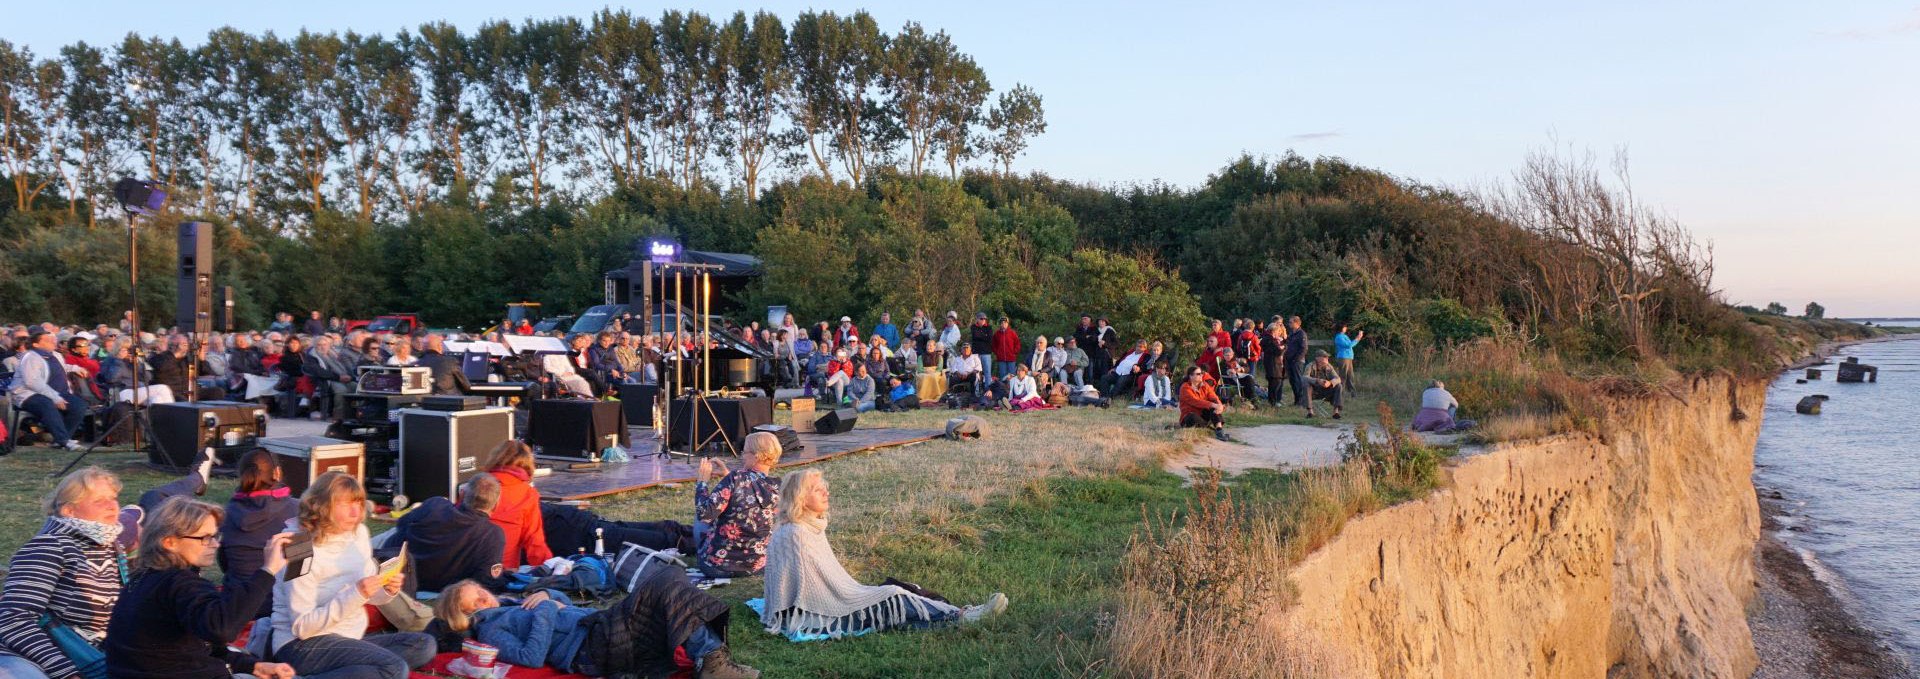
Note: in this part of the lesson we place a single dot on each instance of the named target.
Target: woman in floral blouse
(738, 512)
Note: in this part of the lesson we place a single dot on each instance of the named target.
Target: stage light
(662, 250)
(140, 196)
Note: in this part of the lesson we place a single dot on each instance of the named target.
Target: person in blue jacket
(1343, 355)
(547, 630)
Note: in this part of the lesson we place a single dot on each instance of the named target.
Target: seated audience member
(172, 623)
(1200, 406)
(545, 629)
(518, 513)
(994, 396)
(736, 514)
(1236, 375)
(329, 375)
(1210, 358)
(1437, 409)
(40, 387)
(68, 573)
(1077, 362)
(839, 373)
(570, 529)
(319, 621)
(259, 510)
(861, 388)
(1023, 393)
(808, 591)
(452, 542)
(1120, 381)
(1057, 360)
(1158, 390)
(170, 368)
(291, 370)
(82, 371)
(400, 352)
(900, 396)
(1036, 359)
(964, 370)
(879, 366)
(1324, 380)
(816, 366)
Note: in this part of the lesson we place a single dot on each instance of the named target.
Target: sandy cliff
(1628, 554)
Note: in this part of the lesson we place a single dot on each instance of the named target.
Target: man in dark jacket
(1273, 361)
(448, 378)
(314, 326)
(981, 335)
(1296, 358)
(448, 542)
(170, 368)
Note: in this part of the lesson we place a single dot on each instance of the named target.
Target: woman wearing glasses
(171, 622)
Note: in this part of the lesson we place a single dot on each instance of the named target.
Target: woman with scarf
(808, 591)
(70, 575)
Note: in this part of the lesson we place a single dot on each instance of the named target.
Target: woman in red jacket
(1200, 405)
(518, 513)
(1006, 349)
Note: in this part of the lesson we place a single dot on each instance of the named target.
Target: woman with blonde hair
(808, 592)
(737, 513)
(68, 574)
(518, 514)
(320, 611)
(171, 622)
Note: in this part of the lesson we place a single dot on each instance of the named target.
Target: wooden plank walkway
(648, 469)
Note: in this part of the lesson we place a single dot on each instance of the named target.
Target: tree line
(282, 129)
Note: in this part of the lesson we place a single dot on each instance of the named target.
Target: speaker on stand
(194, 315)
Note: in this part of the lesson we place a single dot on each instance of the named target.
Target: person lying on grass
(809, 592)
(636, 636)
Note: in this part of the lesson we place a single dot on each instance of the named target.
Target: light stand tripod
(137, 417)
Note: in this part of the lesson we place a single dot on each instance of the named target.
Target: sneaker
(73, 445)
(205, 468)
(994, 605)
(720, 665)
(1336, 414)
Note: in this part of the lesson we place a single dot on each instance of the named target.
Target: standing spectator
(41, 387)
(1219, 334)
(1273, 348)
(736, 514)
(282, 323)
(1200, 406)
(314, 326)
(918, 333)
(1296, 358)
(335, 325)
(1343, 355)
(887, 330)
(68, 574)
(981, 335)
(1107, 338)
(1087, 338)
(1006, 348)
(126, 323)
(847, 332)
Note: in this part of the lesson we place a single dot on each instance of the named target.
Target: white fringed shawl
(809, 591)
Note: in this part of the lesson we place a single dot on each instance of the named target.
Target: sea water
(1850, 477)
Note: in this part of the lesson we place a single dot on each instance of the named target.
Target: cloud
(1316, 136)
(1907, 26)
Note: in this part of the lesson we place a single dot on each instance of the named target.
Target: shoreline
(1800, 625)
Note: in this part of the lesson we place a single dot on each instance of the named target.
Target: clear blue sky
(1784, 132)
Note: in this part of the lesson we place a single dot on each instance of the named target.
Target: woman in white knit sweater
(320, 615)
(809, 592)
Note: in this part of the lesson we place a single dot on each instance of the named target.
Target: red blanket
(438, 669)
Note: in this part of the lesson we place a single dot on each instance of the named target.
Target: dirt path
(1273, 446)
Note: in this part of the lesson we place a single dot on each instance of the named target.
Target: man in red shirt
(1006, 348)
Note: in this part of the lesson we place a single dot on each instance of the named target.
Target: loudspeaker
(574, 429)
(638, 400)
(439, 450)
(182, 430)
(195, 311)
(732, 416)
(837, 421)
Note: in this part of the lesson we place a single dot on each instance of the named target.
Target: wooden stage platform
(649, 469)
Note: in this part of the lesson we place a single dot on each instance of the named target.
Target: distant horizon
(1779, 132)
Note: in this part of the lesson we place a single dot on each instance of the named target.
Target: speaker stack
(195, 311)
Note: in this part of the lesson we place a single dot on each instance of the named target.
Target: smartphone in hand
(299, 551)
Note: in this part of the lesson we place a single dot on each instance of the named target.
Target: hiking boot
(1220, 434)
(720, 665)
(994, 605)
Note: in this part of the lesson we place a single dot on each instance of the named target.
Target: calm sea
(1852, 483)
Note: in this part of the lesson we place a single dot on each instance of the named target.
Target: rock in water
(1813, 373)
(1853, 371)
(1810, 405)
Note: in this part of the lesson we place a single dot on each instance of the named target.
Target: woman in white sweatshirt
(320, 610)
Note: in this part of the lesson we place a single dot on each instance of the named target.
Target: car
(552, 323)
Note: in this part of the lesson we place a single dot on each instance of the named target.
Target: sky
(1781, 132)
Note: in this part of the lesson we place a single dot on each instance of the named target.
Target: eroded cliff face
(1627, 554)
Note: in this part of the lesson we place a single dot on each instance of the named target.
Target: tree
(757, 77)
(92, 118)
(310, 140)
(1776, 309)
(526, 75)
(246, 94)
(1814, 311)
(837, 67)
(155, 79)
(455, 152)
(921, 74)
(1015, 121)
(29, 109)
(378, 99)
(692, 91)
(959, 109)
(621, 92)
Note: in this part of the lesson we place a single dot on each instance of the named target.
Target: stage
(648, 469)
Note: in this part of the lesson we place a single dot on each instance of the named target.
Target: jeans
(61, 423)
(381, 656)
(1297, 376)
(702, 642)
(1003, 368)
(16, 667)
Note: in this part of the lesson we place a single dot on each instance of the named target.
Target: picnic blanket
(759, 607)
(437, 669)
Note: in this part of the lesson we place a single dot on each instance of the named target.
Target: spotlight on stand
(140, 196)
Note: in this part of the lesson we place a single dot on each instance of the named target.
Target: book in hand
(394, 567)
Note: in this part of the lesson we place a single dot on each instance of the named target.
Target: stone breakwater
(1627, 553)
